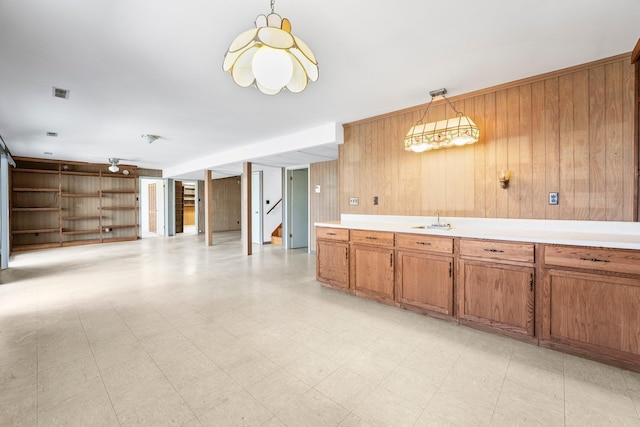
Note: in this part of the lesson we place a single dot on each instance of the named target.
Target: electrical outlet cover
(553, 198)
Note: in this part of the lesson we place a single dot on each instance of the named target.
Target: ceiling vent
(60, 93)
(54, 134)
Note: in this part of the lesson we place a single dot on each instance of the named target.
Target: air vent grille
(60, 93)
(54, 134)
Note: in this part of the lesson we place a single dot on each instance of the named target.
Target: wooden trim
(208, 208)
(247, 243)
(635, 55)
(66, 162)
(492, 89)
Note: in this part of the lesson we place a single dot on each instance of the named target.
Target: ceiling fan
(114, 164)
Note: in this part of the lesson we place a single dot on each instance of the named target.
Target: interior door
(179, 195)
(299, 185)
(256, 208)
(153, 209)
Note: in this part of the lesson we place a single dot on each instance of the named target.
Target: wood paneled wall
(570, 131)
(323, 206)
(226, 204)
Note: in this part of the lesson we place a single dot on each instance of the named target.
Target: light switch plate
(353, 201)
(553, 198)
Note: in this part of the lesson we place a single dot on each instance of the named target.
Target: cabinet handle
(595, 260)
(390, 260)
(423, 243)
(346, 253)
(531, 282)
(493, 250)
(371, 238)
(449, 269)
(331, 234)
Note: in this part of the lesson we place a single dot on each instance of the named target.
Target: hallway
(167, 331)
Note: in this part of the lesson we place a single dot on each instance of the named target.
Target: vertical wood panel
(567, 167)
(613, 117)
(552, 140)
(539, 151)
(513, 152)
(581, 152)
(525, 179)
(597, 144)
(502, 152)
(570, 132)
(323, 206)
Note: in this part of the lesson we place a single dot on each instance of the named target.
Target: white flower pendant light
(270, 58)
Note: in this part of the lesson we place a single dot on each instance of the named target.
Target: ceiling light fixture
(114, 164)
(149, 137)
(270, 58)
(460, 130)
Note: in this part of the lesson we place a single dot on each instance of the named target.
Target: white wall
(271, 191)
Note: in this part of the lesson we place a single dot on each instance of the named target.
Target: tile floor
(168, 332)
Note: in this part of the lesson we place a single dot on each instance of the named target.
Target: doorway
(256, 208)
(298, 180)
(152, 207)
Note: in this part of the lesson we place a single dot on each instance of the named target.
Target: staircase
(276, 236)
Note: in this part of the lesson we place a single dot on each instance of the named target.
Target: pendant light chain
(273, 3)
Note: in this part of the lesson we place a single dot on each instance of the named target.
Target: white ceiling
(155, 66)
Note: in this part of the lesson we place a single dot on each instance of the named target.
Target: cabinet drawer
(522, 252)
(610, 260)
(332, 233)
(425, 243)
(382, 238)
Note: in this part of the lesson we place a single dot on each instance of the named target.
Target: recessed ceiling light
(60, 93)
(54, 134)
(48, 153)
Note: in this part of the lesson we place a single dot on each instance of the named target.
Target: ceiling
(155, 66)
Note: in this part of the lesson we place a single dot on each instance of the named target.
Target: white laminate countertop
(606, 234)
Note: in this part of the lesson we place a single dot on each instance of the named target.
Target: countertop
(606, 234)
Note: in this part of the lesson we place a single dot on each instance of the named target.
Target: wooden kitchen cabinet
(372, 264)
(500, 295)
(591, 302)
(424, 273)
(332, 257)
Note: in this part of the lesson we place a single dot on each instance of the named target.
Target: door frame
(288, 223)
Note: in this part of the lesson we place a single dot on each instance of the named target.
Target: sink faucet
(438, 216)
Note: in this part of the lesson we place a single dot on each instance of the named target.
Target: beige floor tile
(18, 389)
(239, 409)
(82, 410)
(346, 388)
(599, 398)
(282, 351)
(251, 369)
(278, 390)
(429, 419)
(53, 356)
(413, 386)
(538, 377)
(371, 366)
(185, 372)
(312, 368)
(205, 393)
(274, 422)
(166, 409)
(140, 369)
(587, 371)
(312, 409)
(338, 350)
(521, 406)
(384, 408)
(19, 413)
(584, 415)
(352, 420)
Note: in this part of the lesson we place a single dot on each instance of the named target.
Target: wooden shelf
(80, 194)
(40, 171)
(34, 209)
(39, 230)
(36, 246)
(75, 232)
(79, 218)
(36, 190)
(117, 192)
(113, 227)
(118, 208)
(96, 174)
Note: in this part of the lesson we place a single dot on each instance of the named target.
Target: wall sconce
(503, 178)
(460, 130)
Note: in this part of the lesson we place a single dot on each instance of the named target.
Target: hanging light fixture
(270, 58)
(460, 130)
(114, 165)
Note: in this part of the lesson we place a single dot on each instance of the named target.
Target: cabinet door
(425, 281)
(372, 271)
(332, 263)
(501, 296)
(594, 312)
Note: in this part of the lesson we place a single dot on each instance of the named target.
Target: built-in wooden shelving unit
(59, 203)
